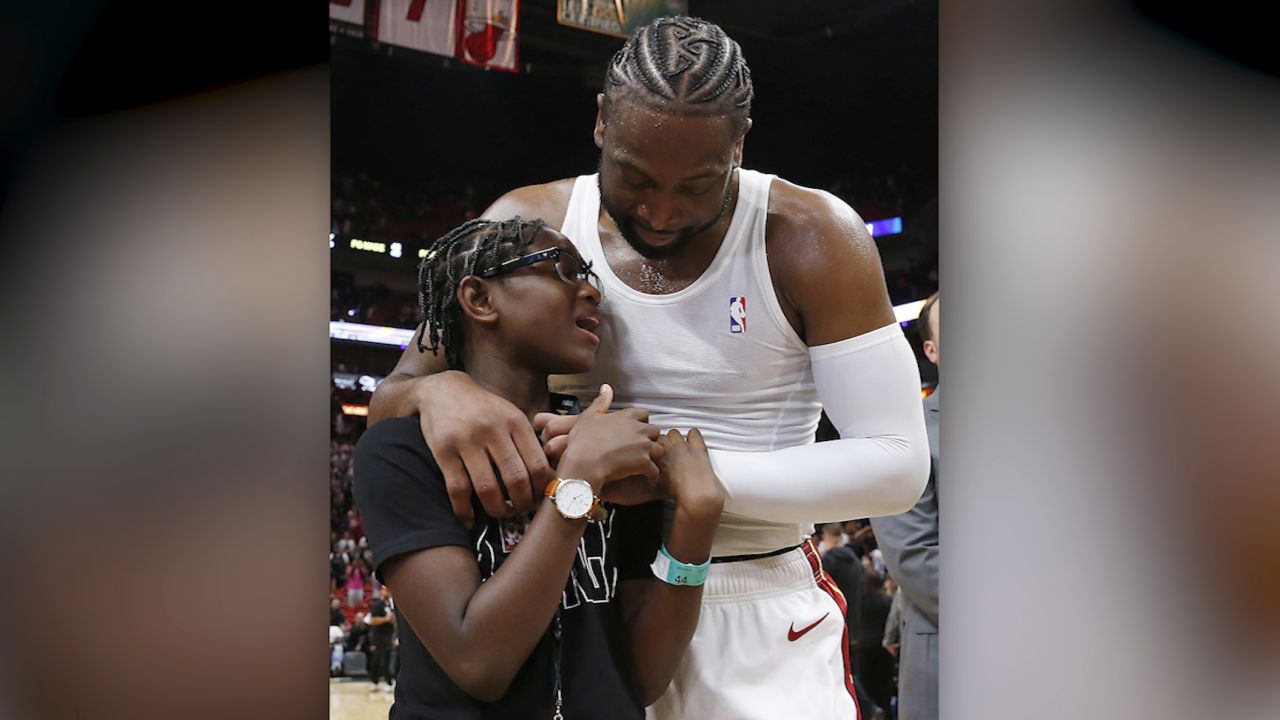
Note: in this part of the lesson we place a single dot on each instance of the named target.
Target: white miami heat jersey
(718, 355)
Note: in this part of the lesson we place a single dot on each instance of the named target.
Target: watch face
(574, 498)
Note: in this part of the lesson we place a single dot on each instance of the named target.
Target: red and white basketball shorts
(771, 644)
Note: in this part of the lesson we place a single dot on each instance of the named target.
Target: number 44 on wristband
(674, 572)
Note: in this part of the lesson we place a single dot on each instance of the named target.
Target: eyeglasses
(569, 266)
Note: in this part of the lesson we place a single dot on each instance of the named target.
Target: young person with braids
(741, 304)
(557, 615)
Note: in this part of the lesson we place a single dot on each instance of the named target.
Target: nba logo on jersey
(737, 314)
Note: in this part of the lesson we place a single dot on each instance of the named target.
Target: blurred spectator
(893, 624)
(355, 583)
(861, 537)
(335, 613)
(354, 524)
(830, 536)
(875, 664)
(381, 621)
(337, 632)
(349, 555)
(375, 587)
(336, 650)
(358, 635)
(844, 567)
(875, 560)
(911, 552)
(337, 570)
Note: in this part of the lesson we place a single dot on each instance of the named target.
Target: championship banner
(348, 11)
(615, 17)
(427, 25)
(488, 36)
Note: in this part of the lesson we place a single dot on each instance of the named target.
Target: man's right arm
(470, 431)
(397, 394)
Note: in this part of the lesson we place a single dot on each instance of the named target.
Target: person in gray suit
(909, 543)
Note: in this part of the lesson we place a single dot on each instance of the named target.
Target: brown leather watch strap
(551, 488)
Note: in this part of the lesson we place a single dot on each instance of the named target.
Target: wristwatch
(575, 499)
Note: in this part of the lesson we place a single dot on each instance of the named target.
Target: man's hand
(471, 432)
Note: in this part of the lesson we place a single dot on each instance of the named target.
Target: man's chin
(653, 252)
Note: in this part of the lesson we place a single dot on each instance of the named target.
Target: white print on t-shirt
(591, 578)
(483, 548)
(600, 581)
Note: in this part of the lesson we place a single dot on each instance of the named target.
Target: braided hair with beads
(469, 249)
(682, 65)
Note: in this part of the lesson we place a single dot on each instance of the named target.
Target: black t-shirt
(401, 496)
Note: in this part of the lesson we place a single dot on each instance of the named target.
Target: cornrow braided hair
(470, 248)
(682, 64)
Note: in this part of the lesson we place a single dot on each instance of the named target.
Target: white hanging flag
(488, 35)
(351, 11)
(427, 25)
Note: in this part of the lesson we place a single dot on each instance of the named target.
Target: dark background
(841, 88)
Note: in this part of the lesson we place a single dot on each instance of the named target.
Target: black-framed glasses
(569, 266)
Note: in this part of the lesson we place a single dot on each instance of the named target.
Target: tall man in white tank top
(737, 303)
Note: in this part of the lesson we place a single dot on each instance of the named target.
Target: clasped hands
(486, 444)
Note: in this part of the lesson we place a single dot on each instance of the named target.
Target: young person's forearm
(663, 624)
(508, 614)
(481, 633)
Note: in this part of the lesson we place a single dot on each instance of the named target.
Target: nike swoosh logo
(793, 634)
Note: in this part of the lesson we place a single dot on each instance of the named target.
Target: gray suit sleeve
(909, 543)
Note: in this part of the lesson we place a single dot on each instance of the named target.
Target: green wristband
(673, 572)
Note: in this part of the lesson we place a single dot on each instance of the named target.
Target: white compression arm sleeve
(870, 387)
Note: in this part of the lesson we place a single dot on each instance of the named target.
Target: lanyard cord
(555, 663)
